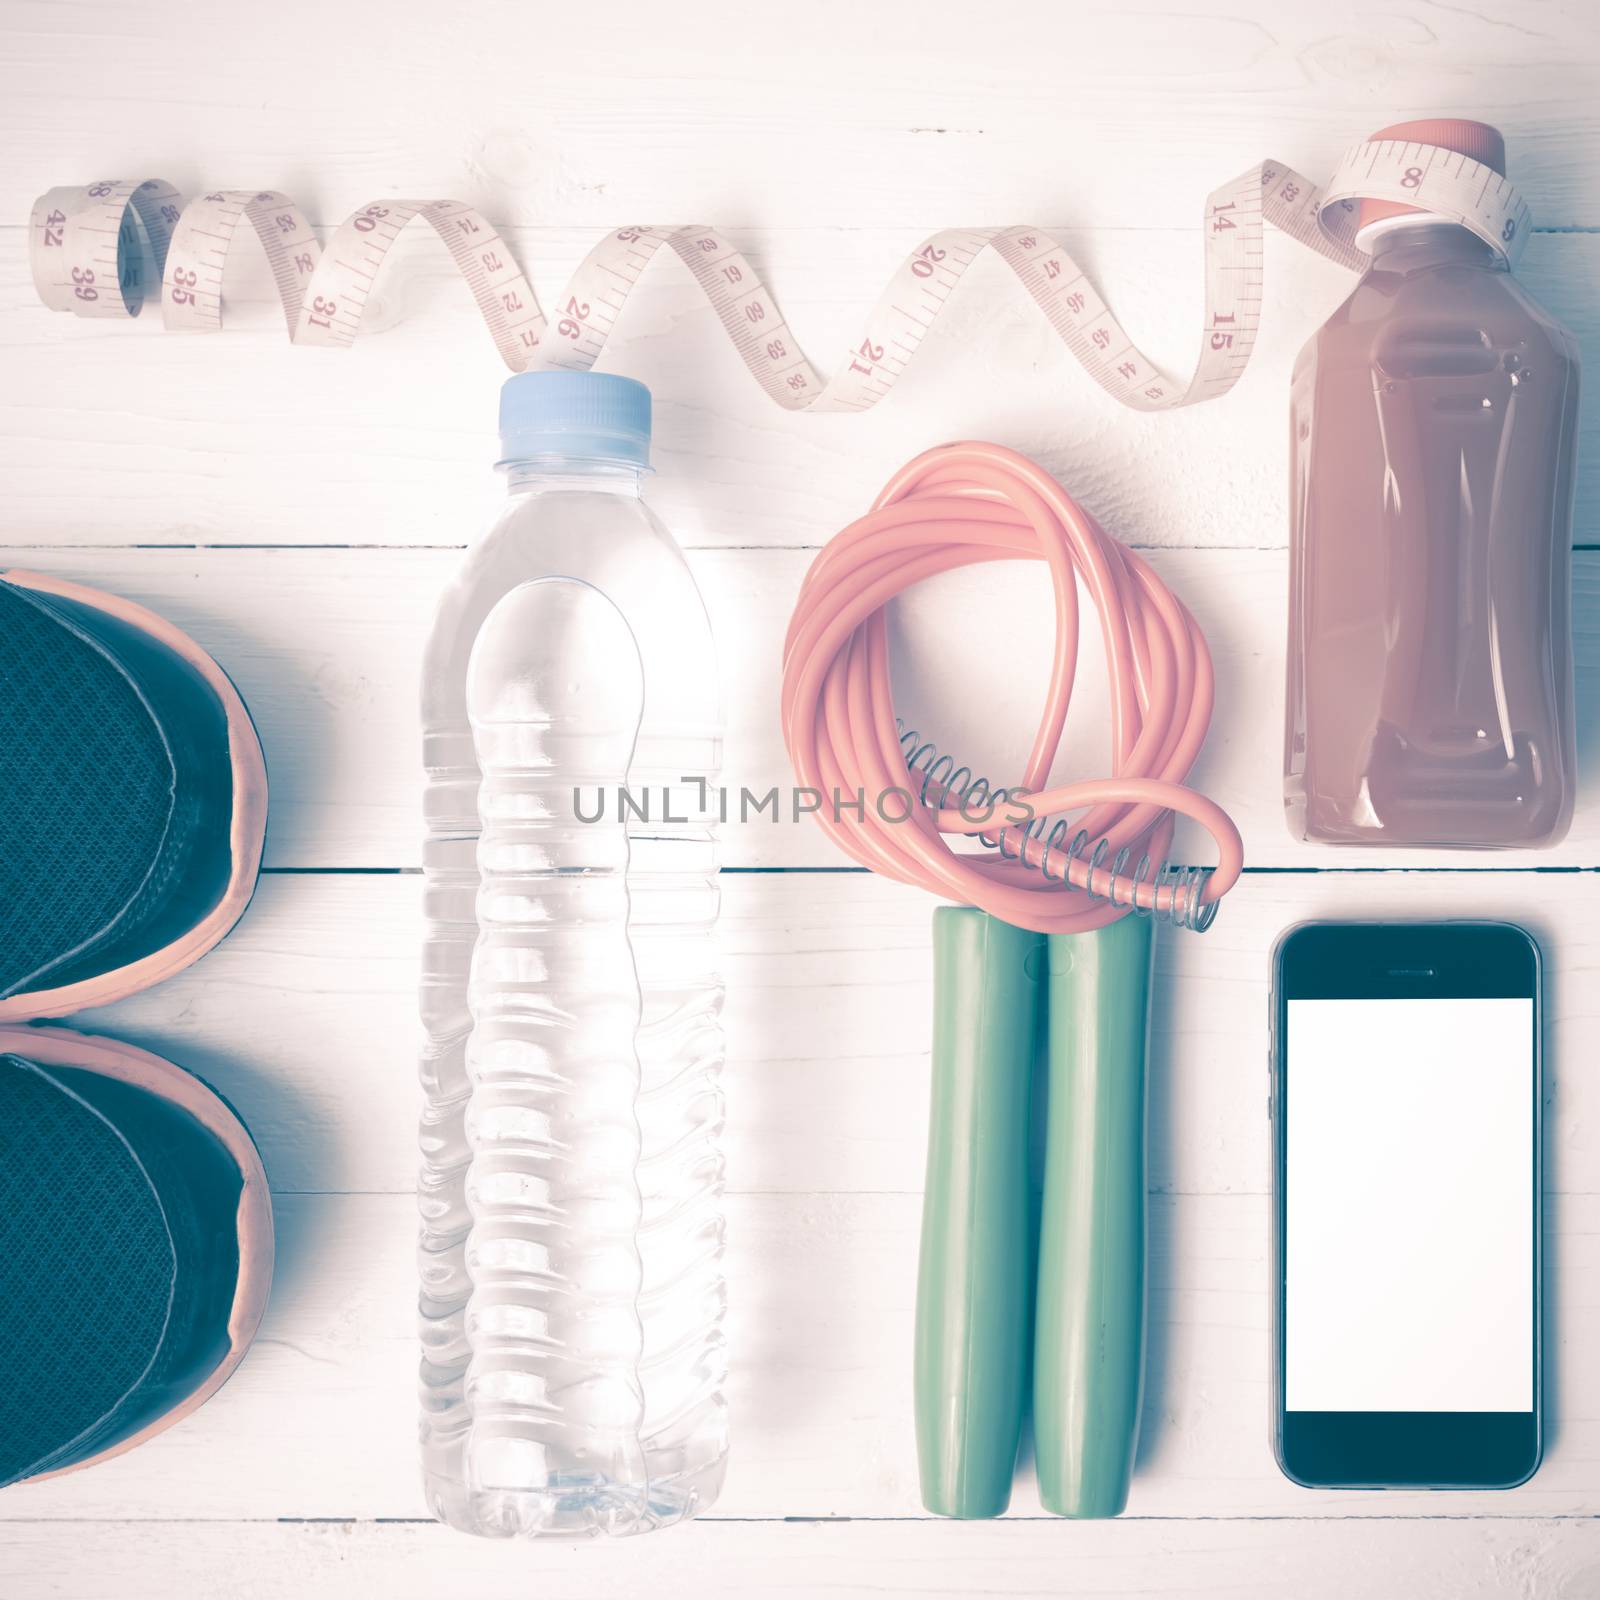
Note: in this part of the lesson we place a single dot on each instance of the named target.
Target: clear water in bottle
(573, 1358)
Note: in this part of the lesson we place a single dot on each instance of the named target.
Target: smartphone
(1405, 1107)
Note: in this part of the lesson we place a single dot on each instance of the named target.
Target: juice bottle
(1433, 433)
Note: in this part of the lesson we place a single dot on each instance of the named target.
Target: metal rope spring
(1057, 842)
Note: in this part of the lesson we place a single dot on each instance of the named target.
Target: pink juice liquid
(1430, 674)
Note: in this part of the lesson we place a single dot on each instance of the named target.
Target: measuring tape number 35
(91, 246)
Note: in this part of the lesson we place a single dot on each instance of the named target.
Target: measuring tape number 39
(91, 246)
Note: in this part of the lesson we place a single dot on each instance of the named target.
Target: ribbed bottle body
(572, 1296)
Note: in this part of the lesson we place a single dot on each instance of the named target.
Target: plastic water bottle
(572, 1297)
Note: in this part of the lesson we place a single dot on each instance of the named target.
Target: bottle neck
(544, 474)
(1411, 244)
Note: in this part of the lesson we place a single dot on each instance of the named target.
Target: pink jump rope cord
(952, 507)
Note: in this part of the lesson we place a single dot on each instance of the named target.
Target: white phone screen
(1408, 1217)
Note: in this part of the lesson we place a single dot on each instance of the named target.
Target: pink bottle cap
(1475, 140)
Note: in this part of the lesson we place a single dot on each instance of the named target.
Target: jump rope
(954, 507)
(1002, 989)
(1039, 955)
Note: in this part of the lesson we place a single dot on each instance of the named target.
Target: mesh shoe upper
(117, 793)
(119, 1261)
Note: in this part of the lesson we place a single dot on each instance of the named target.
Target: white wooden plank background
(827, 138)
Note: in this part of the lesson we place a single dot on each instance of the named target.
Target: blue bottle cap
(584, 416)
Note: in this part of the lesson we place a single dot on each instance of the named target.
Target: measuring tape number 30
(91, 246)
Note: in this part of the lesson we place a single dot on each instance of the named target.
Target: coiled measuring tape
(91, 248)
